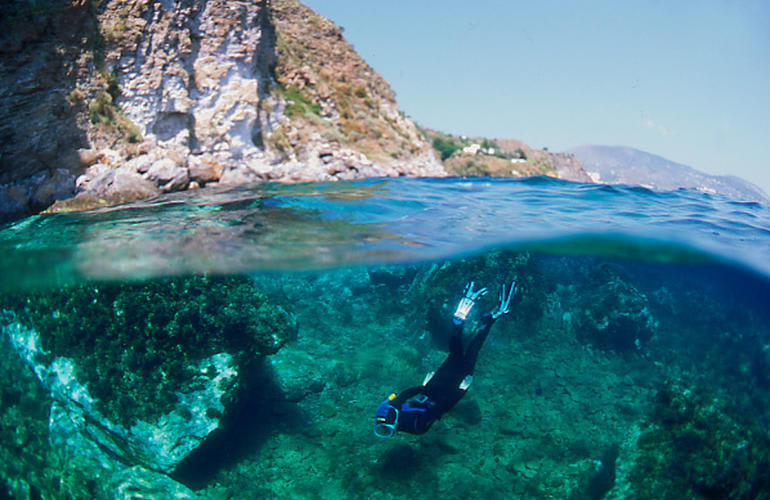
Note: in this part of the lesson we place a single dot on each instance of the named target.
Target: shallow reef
(614, 313)
(135, 344)
(604, 381)
(697, 446)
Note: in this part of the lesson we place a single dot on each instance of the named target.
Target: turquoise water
(379, 221)
(640, 337)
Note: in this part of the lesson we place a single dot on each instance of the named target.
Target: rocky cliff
(121, 99)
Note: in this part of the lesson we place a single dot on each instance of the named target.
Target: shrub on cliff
(445, 147)
(134, 345)
(103, 112)
(298, 103)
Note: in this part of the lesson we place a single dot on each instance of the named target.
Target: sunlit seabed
(640, 337)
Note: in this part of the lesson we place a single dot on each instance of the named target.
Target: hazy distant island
(112, 101)
(625, 165)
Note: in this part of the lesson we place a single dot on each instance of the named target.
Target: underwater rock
(138, 482)
(137, 345)
(392, 277)
(439, 325)
(299, 374)
(26, 459)
(601, 479)
(614, 314)
(140, 374)
(698, 447)
(760, 366)
(93, 445)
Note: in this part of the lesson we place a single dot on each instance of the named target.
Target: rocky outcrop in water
(614, 313)
(135, 377)
(135, 460)
(123, 99)
(695, 445)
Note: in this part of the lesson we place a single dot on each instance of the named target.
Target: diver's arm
(487, 320)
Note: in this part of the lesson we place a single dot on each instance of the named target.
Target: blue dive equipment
(386, 418)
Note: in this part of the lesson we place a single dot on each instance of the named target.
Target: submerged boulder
(613, 313)
(297, 373)
(140, 374)
(697, 446)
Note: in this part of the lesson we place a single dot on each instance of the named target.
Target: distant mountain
(624, 165)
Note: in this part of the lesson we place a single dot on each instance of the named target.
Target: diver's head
(386, 418)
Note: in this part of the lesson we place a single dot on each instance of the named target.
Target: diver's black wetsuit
(420, 406)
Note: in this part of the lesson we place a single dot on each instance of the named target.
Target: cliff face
(122, 99)
(356, 107)
(42, 57)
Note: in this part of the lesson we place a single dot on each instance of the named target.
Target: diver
(417, 408)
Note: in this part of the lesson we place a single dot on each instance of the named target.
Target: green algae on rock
(135, 345)
(615, 314)
(699, 447)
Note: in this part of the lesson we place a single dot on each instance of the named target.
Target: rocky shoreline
(125, 99)
(111, 179)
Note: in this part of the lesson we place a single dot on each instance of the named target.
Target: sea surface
(379, 221)
(634, 363)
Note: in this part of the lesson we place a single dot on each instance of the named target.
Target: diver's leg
(472, 352)
(455, 361)
(486, 323)
(463, 308)
(456, 341)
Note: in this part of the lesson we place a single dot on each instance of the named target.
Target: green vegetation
(498, 158)
(697, 449)
(298, 103)
(103, 112)
(487, 144)
(446, 147)
(135, 344)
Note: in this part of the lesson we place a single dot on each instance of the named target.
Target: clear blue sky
(689, 81)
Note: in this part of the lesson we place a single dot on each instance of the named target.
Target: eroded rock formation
(123, 99)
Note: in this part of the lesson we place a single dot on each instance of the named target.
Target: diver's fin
(466, 382)
(428, 377)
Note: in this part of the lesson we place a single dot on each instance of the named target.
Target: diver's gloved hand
(505, 301)
(467, 302)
